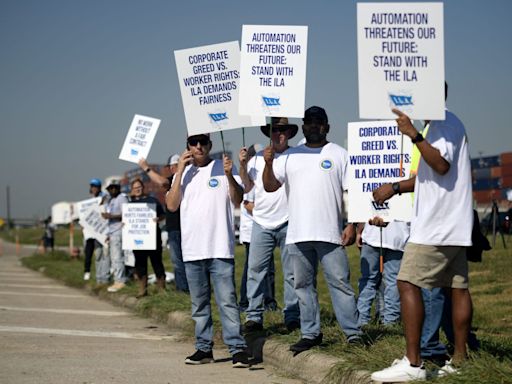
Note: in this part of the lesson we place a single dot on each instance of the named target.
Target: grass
(491, 289)
(34, 235)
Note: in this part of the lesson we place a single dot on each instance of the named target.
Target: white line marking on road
(73, 332)
(65, 311)
(33, 286)
(42, 294)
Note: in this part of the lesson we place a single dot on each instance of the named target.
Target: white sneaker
(87, 276)
(447, 369)
(399, 372)
(116, 287)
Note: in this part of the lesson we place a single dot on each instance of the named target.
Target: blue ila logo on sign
(326, 164)
(213, 182)
(138, 242)
(271, 101)
(216, 117)
(134, 152)
(401, 100)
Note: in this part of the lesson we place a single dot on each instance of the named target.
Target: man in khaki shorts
(435, 255)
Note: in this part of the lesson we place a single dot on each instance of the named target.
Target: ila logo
(271, 101)
(134, 152)
(138, 242)
(401, 100)
(326, 164)
(216, 117)
(379, 207)
(213, 182)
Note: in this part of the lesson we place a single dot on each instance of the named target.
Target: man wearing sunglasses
(205, 190)
(315, 177)
(270, 215)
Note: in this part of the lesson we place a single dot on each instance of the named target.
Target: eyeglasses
(193, 142)
(281, 129)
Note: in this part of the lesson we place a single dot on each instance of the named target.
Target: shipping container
(485, 162)
(506, 182)
(495, 172)
(506, 158)
(481, 185)
(506, 170)
(482, 174)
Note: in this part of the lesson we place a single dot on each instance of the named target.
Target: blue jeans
(102, 260)
(115, 247)
(174, 242)
(263, 242)
(333, 258)
(369, 282)
(201, 276)
(433, 302)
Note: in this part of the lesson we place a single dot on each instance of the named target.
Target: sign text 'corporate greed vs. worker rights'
(401, 60)
(378, 154)
(209, 78)
(273, 70)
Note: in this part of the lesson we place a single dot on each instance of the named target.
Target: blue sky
(73, 74)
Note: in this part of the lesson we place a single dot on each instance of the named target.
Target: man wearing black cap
(270, 215)
(205, 190)
(114, 215)
(315, 177)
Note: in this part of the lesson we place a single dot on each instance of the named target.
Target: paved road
(50, 333)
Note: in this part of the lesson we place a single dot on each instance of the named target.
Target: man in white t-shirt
(205, 191)
(435, 255)
(314, 176)
(270, 215)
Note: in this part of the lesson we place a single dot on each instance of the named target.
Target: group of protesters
(294, 197)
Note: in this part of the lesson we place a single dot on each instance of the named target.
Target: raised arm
(246, 180)
(270, 182)
(236, 192)
(173, 197)
(154, 175)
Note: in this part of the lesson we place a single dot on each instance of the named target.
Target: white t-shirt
(246, 219)
(394, 235)
(314, 180)
(270, 209)
(206, 213)
(442, 212)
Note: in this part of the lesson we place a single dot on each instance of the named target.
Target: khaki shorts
(430, 266)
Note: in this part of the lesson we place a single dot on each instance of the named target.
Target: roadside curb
(310, 367)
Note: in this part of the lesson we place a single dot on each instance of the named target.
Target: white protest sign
(139, 138)
(62, 212)
(401, 60)
(93, 224)
(375, 150)
(209, 78)
(139, 226)
(273, 70)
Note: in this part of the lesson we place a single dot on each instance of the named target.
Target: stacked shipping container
(492, 177)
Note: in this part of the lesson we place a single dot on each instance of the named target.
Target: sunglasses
(203, 141)
(284, 128)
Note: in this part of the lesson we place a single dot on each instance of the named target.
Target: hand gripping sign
(209, 83)
(401, 60)
(273, 70)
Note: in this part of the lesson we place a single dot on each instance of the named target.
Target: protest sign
(401, 60)
(139, 226)
(378, 154)
(62, 213)
(209, 78)
(273, 70)
(139, 138)
(93, 224)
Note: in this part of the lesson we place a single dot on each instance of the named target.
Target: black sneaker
(252, 326)
(241, 360)
(200, 357)
(292, 326)
(305, 344)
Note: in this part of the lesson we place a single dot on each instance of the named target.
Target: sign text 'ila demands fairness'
(401, 60)
(378, 154)
(139, 138)
(273, 70)
(209, 78)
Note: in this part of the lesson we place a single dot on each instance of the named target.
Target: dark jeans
(180, 277)
(90, 245)
(141, 262)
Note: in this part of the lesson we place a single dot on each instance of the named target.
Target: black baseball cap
(315, 113)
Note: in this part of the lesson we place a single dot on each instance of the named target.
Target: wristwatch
(419, 137)
(147, 170)
(396, 188)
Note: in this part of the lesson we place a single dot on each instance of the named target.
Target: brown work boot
(143, 287)
(160, 283)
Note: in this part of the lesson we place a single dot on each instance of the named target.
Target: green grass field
(491, 289)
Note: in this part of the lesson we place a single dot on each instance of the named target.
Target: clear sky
(73, 74)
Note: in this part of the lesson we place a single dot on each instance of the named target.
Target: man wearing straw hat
(270, 215)
(205, 190)
(315, 177)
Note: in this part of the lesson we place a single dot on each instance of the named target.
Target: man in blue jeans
(270, 215)
(315, 177)
(205, 190)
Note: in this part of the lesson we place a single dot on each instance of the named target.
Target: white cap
(174, 159)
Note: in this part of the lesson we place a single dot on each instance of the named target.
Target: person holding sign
(155, 255)
(205, 190)
(435, 255)
(315, 176)
(270, 215)
(114, 216)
